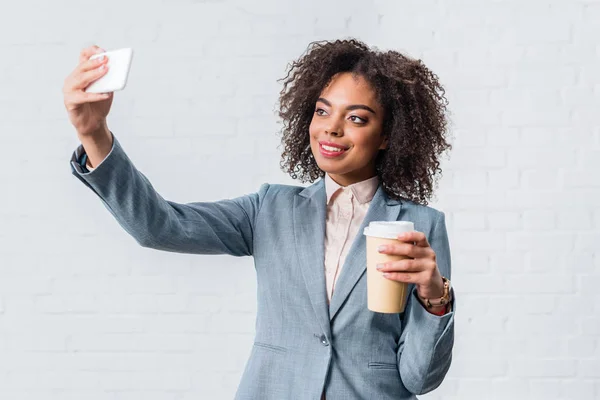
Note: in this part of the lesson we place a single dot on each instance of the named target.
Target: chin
(331, 170)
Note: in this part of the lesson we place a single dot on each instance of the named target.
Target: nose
(334, 129)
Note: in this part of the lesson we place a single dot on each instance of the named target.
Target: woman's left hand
(420, 269)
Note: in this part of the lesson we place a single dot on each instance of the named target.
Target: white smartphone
(119, 63)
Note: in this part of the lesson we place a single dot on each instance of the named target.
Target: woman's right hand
(87, 111)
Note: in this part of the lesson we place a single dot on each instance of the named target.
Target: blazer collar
(315, 188)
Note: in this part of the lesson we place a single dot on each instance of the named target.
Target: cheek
(362, 142)
(313, 128)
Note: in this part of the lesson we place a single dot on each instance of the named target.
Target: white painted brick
(539, 220)
(516, 98)
(579, 388)
(466, 181)
(480, 241)
(537, 242)
(540, 283)
(538, 137)
(506, 262)
(481, 283)
(538, 157)
(473, 304)
(34, 342)
(503, 179)
(504, 220)
(546, 389)
(469, 220)
(582, 347)
(513, 388)
(472, 387)
(587, 242)
(546, 347)
(542, 180)
(589, 368)
(574, 220)
(539, 77)
(547, 325)
(135, 342)
(485, 324)
(499, 344)
(528, 303)
(586, 284)
(75, 303)
(579, 179)
(582, 262)
(502, 137)
(546, 368)
(542, 261)
(591, 326)
(469, 137)
(475, 116)
(473, 262)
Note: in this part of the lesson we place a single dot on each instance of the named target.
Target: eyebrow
(350, 107)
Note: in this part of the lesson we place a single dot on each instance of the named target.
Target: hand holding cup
(419, 268)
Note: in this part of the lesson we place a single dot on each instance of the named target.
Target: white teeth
(328, 148)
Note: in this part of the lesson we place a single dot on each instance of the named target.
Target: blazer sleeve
(220, 227)
(425, 345)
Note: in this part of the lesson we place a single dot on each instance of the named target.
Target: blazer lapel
(382, 208)
(309, 232)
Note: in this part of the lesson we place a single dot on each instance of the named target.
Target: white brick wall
(85, 313)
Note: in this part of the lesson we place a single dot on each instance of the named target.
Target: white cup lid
(388, 229)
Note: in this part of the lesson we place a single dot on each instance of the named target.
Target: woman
(372, 125)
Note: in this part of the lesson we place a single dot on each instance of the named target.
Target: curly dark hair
(414, 107)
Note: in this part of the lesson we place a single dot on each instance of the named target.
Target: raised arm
(221, 227)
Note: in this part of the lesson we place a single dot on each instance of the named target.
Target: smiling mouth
(330, 151)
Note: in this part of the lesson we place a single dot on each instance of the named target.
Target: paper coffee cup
(384, 295)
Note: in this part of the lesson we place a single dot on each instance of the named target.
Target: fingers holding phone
(115, 77)
(87, 111)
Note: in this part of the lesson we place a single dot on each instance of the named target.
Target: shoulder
(427, 215)
(280, 189)
(276, 195)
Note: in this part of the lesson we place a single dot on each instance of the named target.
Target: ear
(383, 144)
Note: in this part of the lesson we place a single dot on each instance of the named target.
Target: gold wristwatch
(445, 299)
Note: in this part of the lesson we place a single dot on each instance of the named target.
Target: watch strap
(441, 301)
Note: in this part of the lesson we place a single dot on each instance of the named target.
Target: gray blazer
(303, 346)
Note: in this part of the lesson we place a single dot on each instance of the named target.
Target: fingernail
(379, 266)
(382, 248)
(402, 236)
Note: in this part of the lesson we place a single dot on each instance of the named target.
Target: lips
(329, 153)
(331, 144)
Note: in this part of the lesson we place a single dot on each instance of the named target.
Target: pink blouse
(346, 209)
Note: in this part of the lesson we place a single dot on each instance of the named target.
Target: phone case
(119, 62)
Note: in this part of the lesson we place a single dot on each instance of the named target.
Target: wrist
(434, 290)
(437, 305)
(97, 146)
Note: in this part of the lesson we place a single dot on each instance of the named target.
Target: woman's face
(347, 114)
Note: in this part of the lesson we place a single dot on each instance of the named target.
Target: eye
(318, 111)
(357, 119)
